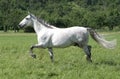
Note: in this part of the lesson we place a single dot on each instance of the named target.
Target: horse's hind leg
(51, 54)
(87, 50)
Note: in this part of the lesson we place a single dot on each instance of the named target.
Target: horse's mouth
(21, 25)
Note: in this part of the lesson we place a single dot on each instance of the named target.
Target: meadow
(70, 63)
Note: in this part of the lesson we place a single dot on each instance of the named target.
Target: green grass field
(70, 63)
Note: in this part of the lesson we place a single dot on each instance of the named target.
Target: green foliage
(62, 13)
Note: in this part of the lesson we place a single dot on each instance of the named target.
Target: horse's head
(27, 21)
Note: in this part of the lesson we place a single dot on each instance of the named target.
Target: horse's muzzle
(20, 26)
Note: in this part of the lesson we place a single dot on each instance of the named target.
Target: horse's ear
(33, 16)
(29, 13)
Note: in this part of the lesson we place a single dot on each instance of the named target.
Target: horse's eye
(27, 18)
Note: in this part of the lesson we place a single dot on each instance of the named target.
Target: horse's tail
(99, 39)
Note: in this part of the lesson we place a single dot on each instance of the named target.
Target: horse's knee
(31, 48)
(89, 48)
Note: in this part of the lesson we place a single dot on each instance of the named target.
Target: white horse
(49, 36)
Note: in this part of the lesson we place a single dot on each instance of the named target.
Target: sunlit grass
(70, 63)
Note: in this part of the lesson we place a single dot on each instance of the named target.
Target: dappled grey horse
(49, 36)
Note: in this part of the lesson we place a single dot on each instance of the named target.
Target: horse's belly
(62, 45)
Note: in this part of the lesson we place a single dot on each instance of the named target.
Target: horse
(50, 37)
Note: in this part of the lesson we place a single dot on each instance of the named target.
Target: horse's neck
(37, 26)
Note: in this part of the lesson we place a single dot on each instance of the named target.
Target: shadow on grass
(108, 62)
(52, 74)
(47, 75)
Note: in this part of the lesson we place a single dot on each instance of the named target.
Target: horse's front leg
(51, 54)
(32, 47)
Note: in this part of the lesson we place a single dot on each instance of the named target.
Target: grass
(70, 63)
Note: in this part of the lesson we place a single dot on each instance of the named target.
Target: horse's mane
(45, 23)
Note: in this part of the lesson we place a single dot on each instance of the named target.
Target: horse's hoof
(88, 59)
(34, 56)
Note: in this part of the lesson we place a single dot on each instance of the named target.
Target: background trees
(62, 13)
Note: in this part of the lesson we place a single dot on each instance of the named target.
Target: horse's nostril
(19, 26)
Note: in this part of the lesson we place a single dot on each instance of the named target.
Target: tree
(62, 13)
